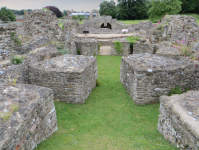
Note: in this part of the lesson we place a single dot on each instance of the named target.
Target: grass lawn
(127, 22)
(109, 120)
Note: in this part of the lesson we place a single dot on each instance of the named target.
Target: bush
(4, 18)
(99, 45)
(78, 51)
(16, 40)
(56, 10)
(118, 47)
(98, 82)
(16, 60)
(6, 14)
(75, 18)
(132, 40)
(177, 90)
(160, 8)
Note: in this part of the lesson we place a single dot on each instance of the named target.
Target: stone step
(104, 42)
(105, 50)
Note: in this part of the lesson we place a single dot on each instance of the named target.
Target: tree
(8, 13)
(190, 6)
(131, 9)
(56, 10)
(108, 8)
(161, 7)
(65, 13)
(80, 17)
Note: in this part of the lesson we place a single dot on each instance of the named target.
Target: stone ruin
(146, 76)
(125, 49)
(41, 23)
(72, 78)
(155, 67)
(178, 119)
(28, 116)
(87, 47)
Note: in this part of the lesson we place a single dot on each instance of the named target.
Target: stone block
(72, 77)
(146, 76)
(179, 121)
(22, 124)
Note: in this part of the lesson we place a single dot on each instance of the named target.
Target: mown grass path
(109, 120)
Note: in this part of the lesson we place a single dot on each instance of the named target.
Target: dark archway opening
(108, 26)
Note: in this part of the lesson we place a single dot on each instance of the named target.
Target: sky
(76, 5)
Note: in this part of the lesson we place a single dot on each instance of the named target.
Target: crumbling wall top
(150, 62)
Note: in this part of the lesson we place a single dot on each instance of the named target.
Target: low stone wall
(87, 47)
(6, 43)
(146, 76)
(179, 121)
(72, 77)
(21, 70)
(144, 47)
(37, 42)
(28, 116)
(125, 49)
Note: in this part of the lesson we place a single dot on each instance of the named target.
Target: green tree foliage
(161, 7)
(80, 17)
(190, 6)
(108, 8)
(74, 17)
(65, 13)
(8, 13)
(131, 9)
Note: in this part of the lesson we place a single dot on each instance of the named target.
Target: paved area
(104, 36)
(105, 50)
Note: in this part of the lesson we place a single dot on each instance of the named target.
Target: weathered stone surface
(40, 23)
(72, 77)
(35, 43)
(71, 48)
(175, 28)
(21, 70)
(179, 119)
(125, 49)
(147, 76)
(87, 47)
(32, 116)
(144, 47)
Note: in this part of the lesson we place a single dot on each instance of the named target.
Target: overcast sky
(77, 5)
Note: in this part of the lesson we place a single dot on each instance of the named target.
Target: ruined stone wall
(144, 47)
(176, 28)
(72, 77)
(21, 70)
(6, 43)
(178, 120)
(125, 49)
(146, 76)
(33, 121)
(87, 47)
(41, 23)
(34, 43)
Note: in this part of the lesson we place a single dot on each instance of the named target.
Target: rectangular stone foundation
(32, 122)
(179, 121)
(71, 83)
(146, 84)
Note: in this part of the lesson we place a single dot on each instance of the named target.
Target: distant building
(82, 14)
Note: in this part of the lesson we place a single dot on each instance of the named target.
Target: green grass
(127, 22)
(81, 22)
(61, 23)
(109, 119)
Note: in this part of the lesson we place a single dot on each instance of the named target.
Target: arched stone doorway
(108, 26)
(91, 14)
